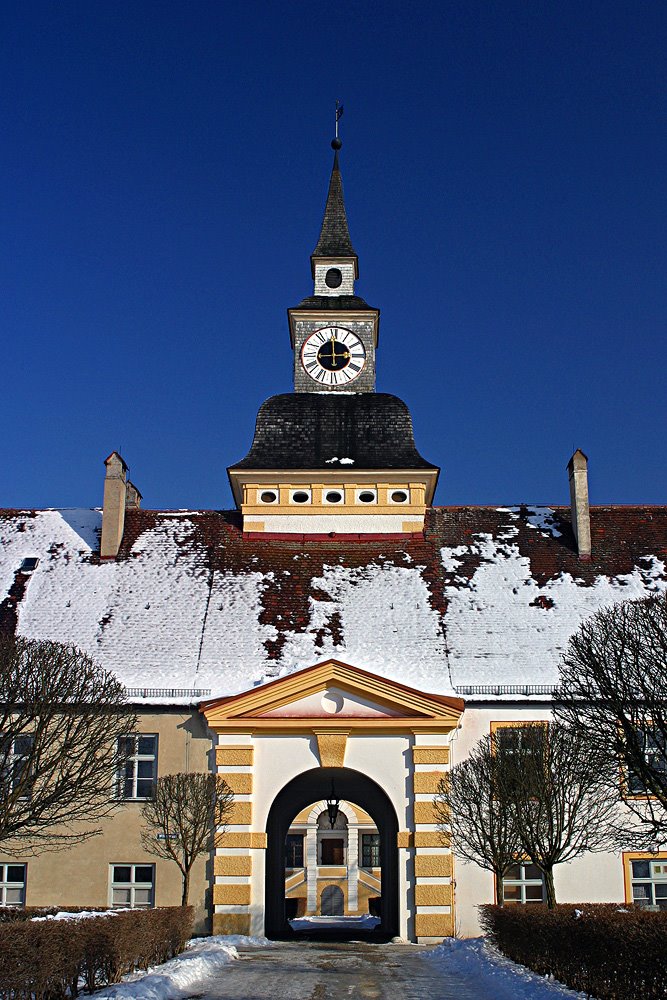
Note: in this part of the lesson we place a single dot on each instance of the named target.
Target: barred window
(370, 850)
(655, 754)
(14, 763)
(138, 769)
(523, 883)
(294, 850)
(132, 886)
(12, 885)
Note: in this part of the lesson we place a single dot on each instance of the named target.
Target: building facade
(336, 637)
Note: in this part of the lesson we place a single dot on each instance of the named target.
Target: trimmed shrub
(53, 959)
(606, 950)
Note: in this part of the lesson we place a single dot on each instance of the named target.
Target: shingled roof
(488, 596)
(334, 238)
(308, 430)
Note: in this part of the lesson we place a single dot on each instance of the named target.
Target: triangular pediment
(333, 693)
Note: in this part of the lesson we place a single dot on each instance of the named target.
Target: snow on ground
(83, 915)
(176, 979)
(363, 923)
(478, 960)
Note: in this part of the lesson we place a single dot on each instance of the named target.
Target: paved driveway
(309, 971)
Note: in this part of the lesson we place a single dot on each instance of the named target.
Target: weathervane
(339, 114)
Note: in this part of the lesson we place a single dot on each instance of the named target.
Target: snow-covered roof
(485, 600)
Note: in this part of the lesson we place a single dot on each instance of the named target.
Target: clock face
(333, 356)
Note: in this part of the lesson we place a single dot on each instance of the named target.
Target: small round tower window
(333, 278)
(268, 496)
(333, 496)
(367, 496)
(399, 496)
(300, 496)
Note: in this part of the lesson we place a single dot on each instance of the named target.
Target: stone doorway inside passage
(385, 746)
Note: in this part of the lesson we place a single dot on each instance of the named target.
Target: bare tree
(61, 716)
(613, 693)
(551, 783)
(471, 808)
(183, 816)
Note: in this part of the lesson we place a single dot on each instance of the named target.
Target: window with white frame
(655, 753)
(133, 886)
(523, 883)
(138, 768)
(649, 882)
(12, 885)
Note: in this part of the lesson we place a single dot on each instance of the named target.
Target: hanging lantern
(333, 804)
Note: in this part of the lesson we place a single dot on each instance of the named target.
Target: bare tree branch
(613, 693)
(60, 719)
(470, 808)
(183, 816)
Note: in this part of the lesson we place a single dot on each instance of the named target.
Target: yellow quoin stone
(435, 925)
(240, 814)
(331, 748)
(433, 895)
(433, 866)
(425, 813)
(240, 784)
(427, 781)
(430, 755)
(231, 923)
(234, 756)
(231, 895)
(230, 838)
(225, 864)
(431, 838)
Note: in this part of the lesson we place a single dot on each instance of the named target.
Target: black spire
(334, 238)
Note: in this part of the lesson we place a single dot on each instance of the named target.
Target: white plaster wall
(362, 523)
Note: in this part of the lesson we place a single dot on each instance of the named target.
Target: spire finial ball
(336, 143)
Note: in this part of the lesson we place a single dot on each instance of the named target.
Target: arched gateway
(384, 745)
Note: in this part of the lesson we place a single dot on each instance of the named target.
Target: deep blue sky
(164, 171)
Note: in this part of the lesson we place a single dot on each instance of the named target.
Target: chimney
(116, 489)
(133, 497)
(577, 469)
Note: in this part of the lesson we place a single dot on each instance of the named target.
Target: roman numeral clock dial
(333, 356)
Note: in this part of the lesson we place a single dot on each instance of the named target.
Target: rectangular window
(649, 883)
(138, 768)
(294, 850)
(655, 753)
(12, 885)
(370, 850)
(15, 762)
(523, 883)
(132, 886)
(520, 740)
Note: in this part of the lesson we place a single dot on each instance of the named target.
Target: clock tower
(334, 457)
(334, 332)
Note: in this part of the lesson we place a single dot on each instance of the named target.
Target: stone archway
(297, 794)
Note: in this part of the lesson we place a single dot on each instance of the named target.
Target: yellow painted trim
(427, 781)
(433, 895)
(425, 813)
(433, 866)
(413, 526)
(517, 724)
(240, 784)
(231, 923)
(331, 748)
(434, 925)
(405, 838)
(240, 814)
(430, 755)
(431, 838)
(320, 508)
(306, 727)
(225, 864)
(252, 525)
(328, 871)
(234, 756)
(629, 856)
(231, 895)
(248, 705)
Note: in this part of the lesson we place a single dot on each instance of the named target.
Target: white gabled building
(337, 637)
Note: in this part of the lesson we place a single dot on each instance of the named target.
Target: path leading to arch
(357, 971)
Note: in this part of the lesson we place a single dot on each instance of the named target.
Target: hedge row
(607, 951)
(53, 959)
